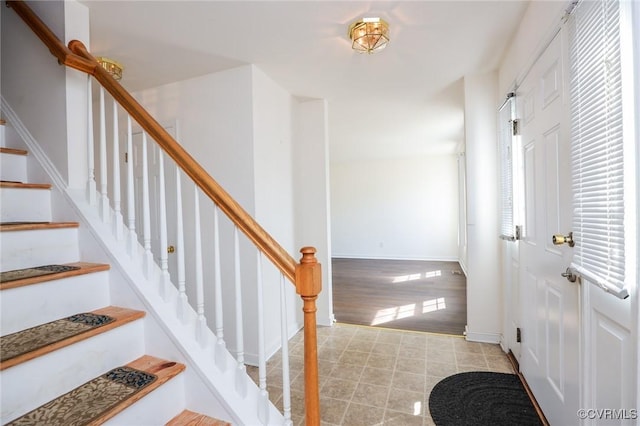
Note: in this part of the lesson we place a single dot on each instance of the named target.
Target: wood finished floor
(401, 294)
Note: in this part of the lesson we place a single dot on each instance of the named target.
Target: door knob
(570, 274)
(559, 239)
(171, 249)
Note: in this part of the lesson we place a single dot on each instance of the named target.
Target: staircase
(69, 356)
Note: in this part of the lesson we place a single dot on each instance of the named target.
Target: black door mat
(482, 398)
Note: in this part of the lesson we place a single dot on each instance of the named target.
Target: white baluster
(220, 344)
(201, 324)
(183, 303)
(286, 383)
(165, 280)
(91, 180)
(104, 196)
(117, 211)
(241, 383)
(146, 211)
(263, 396)
(132, 244)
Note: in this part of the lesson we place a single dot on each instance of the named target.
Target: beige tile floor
(374, 376)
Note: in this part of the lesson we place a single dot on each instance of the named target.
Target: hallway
(374, 376)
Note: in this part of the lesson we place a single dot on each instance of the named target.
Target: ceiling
(406, 100)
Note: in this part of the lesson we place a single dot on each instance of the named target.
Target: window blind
(505, 126)
(597, 143)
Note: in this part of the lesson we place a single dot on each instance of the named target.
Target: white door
(154, 200)
(549, 303)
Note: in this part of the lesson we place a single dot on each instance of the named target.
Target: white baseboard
(494, 338)
(391, 257)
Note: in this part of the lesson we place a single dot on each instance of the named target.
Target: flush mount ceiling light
(369, 35)
(113, 67)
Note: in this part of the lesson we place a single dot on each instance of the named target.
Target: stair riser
(25, 205)
(52, 300)
(33, 383)
(24, 249)
(13, 167)
(156, 408)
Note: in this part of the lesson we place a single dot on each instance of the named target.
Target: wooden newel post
(308, 286)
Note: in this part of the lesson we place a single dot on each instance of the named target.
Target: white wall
(76, 28)
(540, 17)
(484, 290)
(274, 200)
(311, 187)
(33, 83)
(214, 118)
(253, 138)
(395, 209)
(462, 211)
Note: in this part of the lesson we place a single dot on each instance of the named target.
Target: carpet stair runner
(73, 269)
(42, 278)
(105, 396)
(40, 340)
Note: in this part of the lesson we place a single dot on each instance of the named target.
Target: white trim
(471, 336)
(32, 145)
(376, 257)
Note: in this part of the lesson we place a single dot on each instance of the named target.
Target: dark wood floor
(402, 294)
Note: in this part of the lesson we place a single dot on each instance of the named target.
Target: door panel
(529, 236)
(153, 152)
(550, 333)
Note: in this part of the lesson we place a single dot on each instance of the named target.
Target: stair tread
(95, 407)
(28, 226)
(13, 151)
(120, 317)
(20, 185)
(84, 268)
(190, 418)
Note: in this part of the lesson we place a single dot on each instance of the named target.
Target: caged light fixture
(369, 35)
(113, 67)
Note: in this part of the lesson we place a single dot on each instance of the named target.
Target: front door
(550, 309)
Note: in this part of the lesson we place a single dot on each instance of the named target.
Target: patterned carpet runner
(90, 401)
(19, 274)
(13, 345)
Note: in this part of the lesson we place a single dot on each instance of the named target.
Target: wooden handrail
(306, 275)
(57, 48)
(78, 57)
(192, 168)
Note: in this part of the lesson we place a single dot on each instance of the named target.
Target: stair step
(190, 418)
(13, 151)
(25, 202)
(83, 268)
(105, 396)
(13, 184)
(49, 337)
(29, 244)
(13, 164)
(53, 296)
(30, 226)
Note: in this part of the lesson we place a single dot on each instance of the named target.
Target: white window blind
(597, 159)
(505, 127)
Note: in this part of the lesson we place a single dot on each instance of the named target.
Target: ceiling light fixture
(369, 35)
(113, 67)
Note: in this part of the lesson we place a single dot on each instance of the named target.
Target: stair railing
(305, 274)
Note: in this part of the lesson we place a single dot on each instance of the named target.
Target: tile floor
(375, 376)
